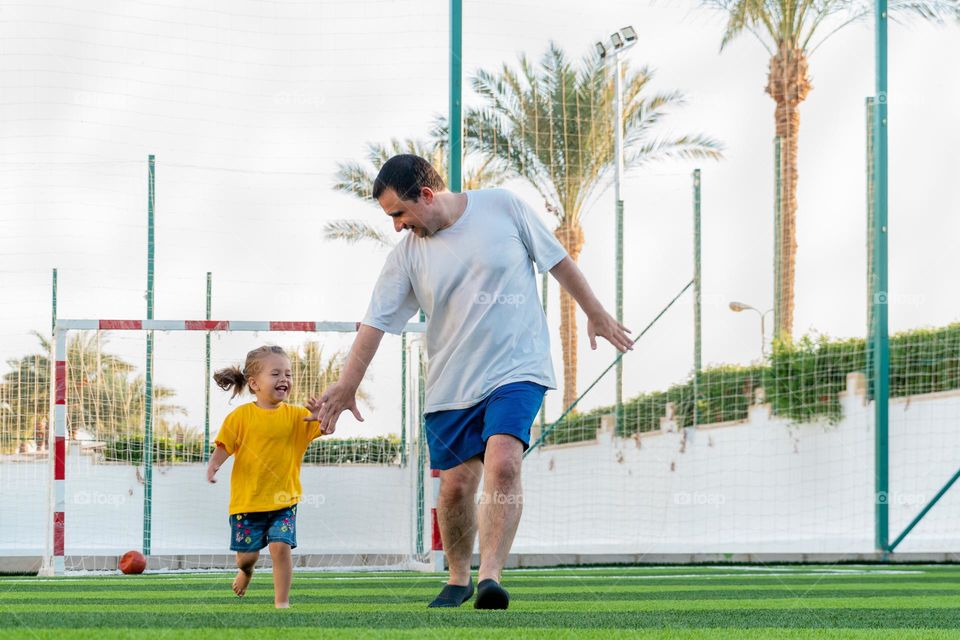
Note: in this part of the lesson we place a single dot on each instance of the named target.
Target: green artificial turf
(811, 601)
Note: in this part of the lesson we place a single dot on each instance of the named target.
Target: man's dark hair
(407, 174)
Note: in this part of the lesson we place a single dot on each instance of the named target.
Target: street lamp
(619, 42)
(740, 306)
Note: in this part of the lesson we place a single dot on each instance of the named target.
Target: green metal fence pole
(924, 511)
(421, 445)
(881, 346)
(53, 300)
(777, 236)
(206, 377)
(619, 303)
(871, 238)
(696, 297)
(403, 399)
(148, 376)
(544, 288)
(456, 91)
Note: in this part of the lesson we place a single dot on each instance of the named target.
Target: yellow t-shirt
(268, 447)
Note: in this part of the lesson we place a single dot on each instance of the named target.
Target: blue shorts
(457, 435)
(253, 531)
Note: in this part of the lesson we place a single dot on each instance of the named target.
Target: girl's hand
(314, 406)
(216, 461)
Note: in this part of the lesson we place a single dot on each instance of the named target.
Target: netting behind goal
(766, 447)
(363, 487)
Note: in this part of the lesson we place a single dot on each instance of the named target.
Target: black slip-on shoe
(490, 595)
(453, 595)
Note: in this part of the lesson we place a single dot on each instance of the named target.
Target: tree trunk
(788, 84)
(570, 235)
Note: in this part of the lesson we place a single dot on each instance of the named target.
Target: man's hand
(599, 322)
(212, 472)
(606, 326)
(335, 400)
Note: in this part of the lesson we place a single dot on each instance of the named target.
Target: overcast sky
(248, 106)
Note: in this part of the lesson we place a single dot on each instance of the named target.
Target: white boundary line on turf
(704, 576)
(784, 571)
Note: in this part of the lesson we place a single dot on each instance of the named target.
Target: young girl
(268, 439)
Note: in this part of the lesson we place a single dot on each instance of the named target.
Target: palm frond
(797, 22)
(354, 179)
(687, 147)
(354, 231)
(933, 10)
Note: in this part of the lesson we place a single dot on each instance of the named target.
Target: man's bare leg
(457, 516)
(501, 505)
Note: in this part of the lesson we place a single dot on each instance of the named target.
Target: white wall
(763, 485)
(354, 509)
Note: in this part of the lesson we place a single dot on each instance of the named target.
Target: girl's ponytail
(231, 379)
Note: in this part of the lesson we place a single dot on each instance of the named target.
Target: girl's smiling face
(274, 382)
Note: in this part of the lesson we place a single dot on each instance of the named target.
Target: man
(469, 264)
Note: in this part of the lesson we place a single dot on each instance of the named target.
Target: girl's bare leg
(282, 573)
(245, 564)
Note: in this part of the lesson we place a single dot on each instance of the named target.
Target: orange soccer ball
(132, 562)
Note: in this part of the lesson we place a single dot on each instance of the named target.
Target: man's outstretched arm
(599, 322)
(342, 396)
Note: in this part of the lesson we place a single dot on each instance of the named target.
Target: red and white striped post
(59, 448)
(436, 548)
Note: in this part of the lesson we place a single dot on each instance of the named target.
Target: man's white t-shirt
(475, 282)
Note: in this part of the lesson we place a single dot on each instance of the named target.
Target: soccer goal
(134, 417)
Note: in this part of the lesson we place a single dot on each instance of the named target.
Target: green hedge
(577, 427)
(327, 451)
(804, 378)
(336, 451)
(925, 361)
(801, 381)
(165, 450)
(725, 394)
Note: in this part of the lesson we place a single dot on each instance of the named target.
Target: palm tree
(553, 126)
(356, 179)
(786, 29)
(313, 372)
(24, 402)
(103, 397)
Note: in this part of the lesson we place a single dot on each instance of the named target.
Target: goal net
(121, 465)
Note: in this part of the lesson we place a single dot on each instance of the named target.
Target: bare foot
(282, 605)
(241, 581)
